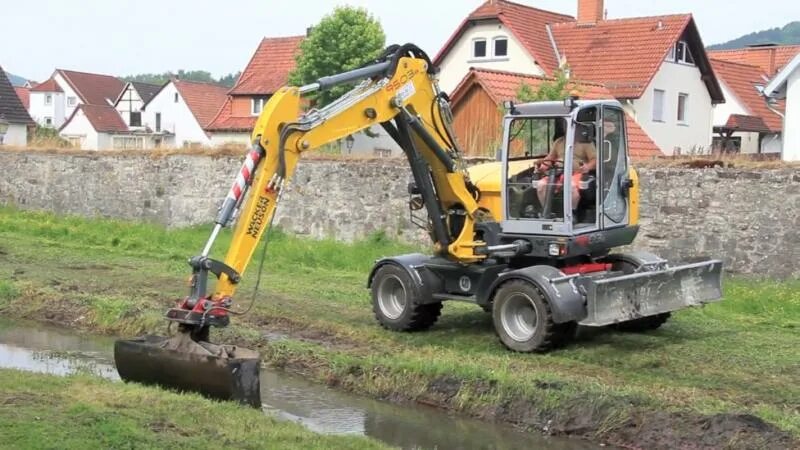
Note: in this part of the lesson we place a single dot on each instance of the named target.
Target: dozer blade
(221, 372)
(627, 297)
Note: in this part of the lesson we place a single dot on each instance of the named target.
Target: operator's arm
(588, 156)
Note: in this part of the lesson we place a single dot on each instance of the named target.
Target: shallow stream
(38, 348)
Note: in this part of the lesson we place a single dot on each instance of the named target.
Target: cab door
(613, 169)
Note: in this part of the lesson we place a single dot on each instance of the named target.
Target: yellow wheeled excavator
(527, 237)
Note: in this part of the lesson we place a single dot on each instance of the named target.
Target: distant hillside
(15, 80)
(188, 75)
(789, 34)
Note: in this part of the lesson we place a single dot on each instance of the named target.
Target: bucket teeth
(216, 371)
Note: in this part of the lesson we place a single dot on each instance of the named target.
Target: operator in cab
(584, 160)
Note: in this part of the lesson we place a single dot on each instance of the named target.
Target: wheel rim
(392, 297)
(519, 317)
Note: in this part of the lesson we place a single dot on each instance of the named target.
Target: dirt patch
(162, 426)
(20, 398)
(687, 431)
(277, 328)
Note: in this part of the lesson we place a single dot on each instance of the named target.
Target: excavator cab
(566, 169)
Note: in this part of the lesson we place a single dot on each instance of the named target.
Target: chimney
(590, 12)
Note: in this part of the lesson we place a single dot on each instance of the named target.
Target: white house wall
(749, 142)
(16, 135)
(176, 117)
(223, 138)
(80, 127)
(455, 65)
(731, 106)
(39, 111)
(791, 121)
(772, 143)
(68, 92)
(675, 78)
(130, 101)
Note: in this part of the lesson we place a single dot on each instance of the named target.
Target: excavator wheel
(395, 301)
(523, 319)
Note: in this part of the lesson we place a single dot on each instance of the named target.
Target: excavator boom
(398, 93)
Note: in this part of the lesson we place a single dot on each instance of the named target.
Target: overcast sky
(121, 37)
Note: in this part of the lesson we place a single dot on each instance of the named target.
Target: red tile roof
(269, 68)
(267, 71)
(529, 26)
(770, 59)
(24, 95)
(47, 86)
(104, 119)
(92, 88)
(226, 121)
(742, 122)
(501, 86)
(623, 54)
(203, 99)
(742, 80)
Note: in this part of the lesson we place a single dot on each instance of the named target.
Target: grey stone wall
(749, 218)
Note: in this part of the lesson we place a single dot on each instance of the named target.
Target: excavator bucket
(220, 372)
(627, 297)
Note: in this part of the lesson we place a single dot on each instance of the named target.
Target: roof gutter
(553, 43)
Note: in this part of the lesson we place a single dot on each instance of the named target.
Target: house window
(48, 121)
(256, 105)
(500, 47)
(479, 48)
(658, 105)
(71, 101)
(683, 100)
(136, 119)
(158, 122)
(48, 99)
(683, 54)
(176, 97)
(127, 142)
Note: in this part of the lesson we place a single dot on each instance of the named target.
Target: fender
(414, 264)
(566, 301)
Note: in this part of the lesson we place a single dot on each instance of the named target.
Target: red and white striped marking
(245, 175)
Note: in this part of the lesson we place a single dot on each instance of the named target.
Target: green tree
(558, 88)
(344, 40)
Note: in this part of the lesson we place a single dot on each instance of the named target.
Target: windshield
(534, 137)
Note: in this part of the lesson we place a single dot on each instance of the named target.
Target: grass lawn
(81, 412)
(734, 361)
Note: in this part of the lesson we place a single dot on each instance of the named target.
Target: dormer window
(500, 47)
(681, 53)
(479, 48)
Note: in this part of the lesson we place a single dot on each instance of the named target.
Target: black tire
(516, 304)
(643, 324)
(395, 301)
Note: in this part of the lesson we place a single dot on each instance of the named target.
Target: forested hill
(188, 75)
(789, 34)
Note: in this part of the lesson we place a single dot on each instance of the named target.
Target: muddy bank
(317, 354)
(599, 420)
